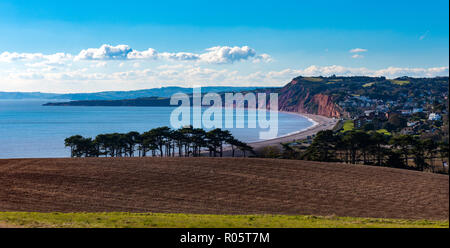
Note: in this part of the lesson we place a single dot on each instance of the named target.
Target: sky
(89, 46)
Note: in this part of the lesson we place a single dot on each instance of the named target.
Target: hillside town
(400, 123)
(424, 115)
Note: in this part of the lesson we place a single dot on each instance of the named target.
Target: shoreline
(319, 123)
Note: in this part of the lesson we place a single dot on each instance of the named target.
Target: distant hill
(28, 95)
(137, 102)
(119, 95)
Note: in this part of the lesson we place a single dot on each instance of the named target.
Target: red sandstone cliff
(298, 96)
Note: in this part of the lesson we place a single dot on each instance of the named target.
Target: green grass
(348, 126)
(400, 82)
(121, 219)
(384, 131)
(368, 84)
(313, 79)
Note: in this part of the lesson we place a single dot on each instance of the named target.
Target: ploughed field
(220, 186)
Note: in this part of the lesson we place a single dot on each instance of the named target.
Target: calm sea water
(30, 130)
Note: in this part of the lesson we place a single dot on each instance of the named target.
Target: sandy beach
(320, 123)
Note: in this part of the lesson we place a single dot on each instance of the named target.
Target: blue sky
(254, 42)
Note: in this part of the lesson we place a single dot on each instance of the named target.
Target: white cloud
(216, 55)
(201, 74)
(357, 56)
(30, 76)
(105, 52)
(147, 54)
(226, 54)
(99, 64)
(86, 79)
(213, 55)
(266, 58)
(390, 72)
(358, 50)
(10, 57)
(57, 57)
(132, 75)
(126, 68)
(36, 59)
(176, 66)
(182, 56)
(280, 75)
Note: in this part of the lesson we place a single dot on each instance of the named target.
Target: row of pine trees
(373, 148)
(162, 141)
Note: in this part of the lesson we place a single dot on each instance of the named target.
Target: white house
(434, 117)
(368, 112)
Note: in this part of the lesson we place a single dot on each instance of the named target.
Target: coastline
(319, 123)
(297, 131)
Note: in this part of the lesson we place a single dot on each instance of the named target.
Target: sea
(30, 130)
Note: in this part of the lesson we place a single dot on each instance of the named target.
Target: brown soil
(3, 225)
(220, 186)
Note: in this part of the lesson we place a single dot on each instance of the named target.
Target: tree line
(161, 141)
(372, 148)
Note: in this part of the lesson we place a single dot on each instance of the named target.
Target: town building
(434, 117)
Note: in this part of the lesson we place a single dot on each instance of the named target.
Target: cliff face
(298, 97)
